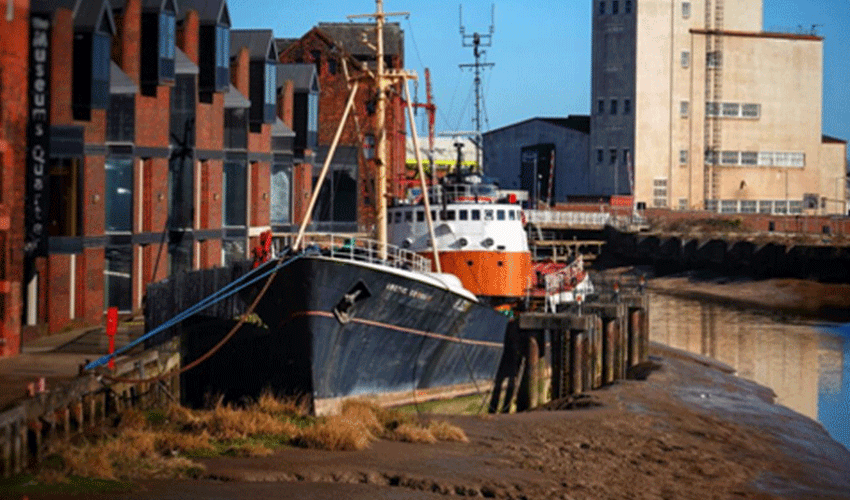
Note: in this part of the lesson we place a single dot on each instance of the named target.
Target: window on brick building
(601, 8)
(615, 7)
(599, 156)
(118, 277)
(235, 188)
(612, 156)
(90, 83)
(65, 188)
(628, 6)
(613, 107)
(600, 106)
(235, 128)
(214, 57)
(121, 118)
(118, 194)
(281, 193)
(627, 106)
(158, 38)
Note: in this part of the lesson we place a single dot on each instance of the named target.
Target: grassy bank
(167, 443)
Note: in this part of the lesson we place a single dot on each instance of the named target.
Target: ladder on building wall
(713, 101)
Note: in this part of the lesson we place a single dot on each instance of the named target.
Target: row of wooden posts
(29, 428)
(590, 346)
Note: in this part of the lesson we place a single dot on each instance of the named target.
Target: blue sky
(541, 51)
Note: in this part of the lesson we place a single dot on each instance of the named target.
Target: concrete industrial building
(526, 155)
(700, 109)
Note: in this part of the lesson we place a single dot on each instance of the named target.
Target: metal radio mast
(476, 41)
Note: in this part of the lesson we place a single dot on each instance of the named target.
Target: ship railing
(553, 217)
(367, 250)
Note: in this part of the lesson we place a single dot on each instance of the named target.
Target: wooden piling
(576, 361)
(6, 450)
(609, 347)
(634, 337)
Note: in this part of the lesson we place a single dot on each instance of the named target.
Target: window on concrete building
(627, 106)
(683, 157)
(749, 158)
(686, 10)
(601, 8)
(612, 156)
(683, 203)
(728, 206)
(599, 155)
(748, 206)
(613, 107)
(750, 110)
(659, 192)
(628, 6)
(615, 7)
(683, 109)
(712, 109)
(627, 157)
(600, 106)
(713, 59)
(729, 158)
(710, 157)
(686, 58)
(730, 109)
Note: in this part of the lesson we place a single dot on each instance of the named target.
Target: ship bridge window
(463, 215)
(408, 217)
(500, 214)
(476, 215)
(511, 214)
(488, 215)
(420, 216)
(433, 215)
(450, 215)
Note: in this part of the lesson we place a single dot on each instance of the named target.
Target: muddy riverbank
(690, 430)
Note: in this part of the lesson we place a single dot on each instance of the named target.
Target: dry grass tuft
(413, 434)
(336, 433)
(132, 454)
(227, 423)
(365, 413)
(184, 442)
(269, 403)
(132, 419)
(444, 431)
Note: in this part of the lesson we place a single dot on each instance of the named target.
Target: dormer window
(214, 53)
(158, 38)
(271, 92)
(167, 28)
(92, 46)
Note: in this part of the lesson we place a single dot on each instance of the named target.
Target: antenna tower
(476, 41)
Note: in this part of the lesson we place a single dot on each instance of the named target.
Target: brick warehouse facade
(162, 132)
(14, 105)
(324, 46)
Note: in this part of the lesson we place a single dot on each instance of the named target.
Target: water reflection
(806, 366)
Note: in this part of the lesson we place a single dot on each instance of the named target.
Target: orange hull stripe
(492, 274)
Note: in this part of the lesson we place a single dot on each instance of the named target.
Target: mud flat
(690, 430)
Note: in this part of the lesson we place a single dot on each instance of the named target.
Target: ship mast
(477, 40)
(381, 80)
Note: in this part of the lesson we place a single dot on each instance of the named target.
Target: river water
(806, 363)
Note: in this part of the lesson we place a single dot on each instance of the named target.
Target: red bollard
(111, 329)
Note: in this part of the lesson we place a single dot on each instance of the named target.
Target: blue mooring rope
(218, 296)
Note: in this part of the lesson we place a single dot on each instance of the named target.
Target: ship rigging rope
(234, 287)
(402, 329)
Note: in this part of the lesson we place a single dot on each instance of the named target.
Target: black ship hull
(341, 328)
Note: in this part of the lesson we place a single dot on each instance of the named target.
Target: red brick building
(324, 46)
(14, 106)
(154, 133)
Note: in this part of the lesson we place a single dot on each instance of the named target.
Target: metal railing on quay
(545, 217)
